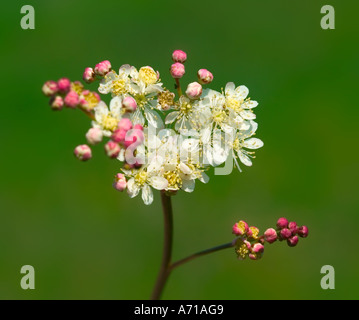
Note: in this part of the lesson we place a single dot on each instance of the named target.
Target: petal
(250, 104)
(116, 106)
(204, 178)
(147, 194)
(184, 168)
(247, 115)
(101, 110)
(244, 159)
(124, 69)
(154, 88)
(242, 92)
(158, 183)
(153, 118)
(156, 164)
(171, 117)
(230, 86)
(132, 188)
(188, 185)
(253, 143)
(137, 117)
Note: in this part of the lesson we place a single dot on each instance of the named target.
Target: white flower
(144, 89)
(242, 140)
(236, 101)
(188, 115)
(105, 119)
(145, 178)
(117, 84)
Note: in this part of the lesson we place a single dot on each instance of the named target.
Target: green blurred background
(87, 241)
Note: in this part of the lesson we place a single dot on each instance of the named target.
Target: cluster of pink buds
(70, 94)
(250, 243)
(194, 89)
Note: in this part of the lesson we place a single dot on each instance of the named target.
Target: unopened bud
(179, 56)
(120, 182)
(64, 84)
(83, 152)
(112, 149)
(57, 103)
(94, 135)
(285, 233)
(293, 227)
(194, 90)
(125, 124)
(49, 88)
(293, 241)
(102, 68)
(89, 75)
(204, 76)
(270, 235)
(129, 104)
(282, 223)
(303, 231)
(177, 70)
(72, 99)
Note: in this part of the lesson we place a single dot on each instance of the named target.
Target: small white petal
(188, 185)
(159, 183)
(124, 69)
(247, 115)
(171, 117)
(229, 88)
(153, 118)
(250, 104)
(242, 92)
(253, 143)
(132, 188)
(184, 168)
(204, 178)
(116, 106)
(147, 194)
(244, 159)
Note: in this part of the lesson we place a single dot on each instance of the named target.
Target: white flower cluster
(195, 134)
(163, 140)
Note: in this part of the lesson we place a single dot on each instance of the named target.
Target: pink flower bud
(119, 136)
(303, 231)
(129, 104)
(56, 103)
(204, 76)
(194, 90)
(282, 223)
(112, 149)
(120, 182)
(270, 235)
(89, 75)
(72, 99)
(285, 233)
(125, 124)
(293, 227)
(258, 248)
(138, 127)
(293, 241)
(94, 135)
(49, 88)
(102, 68)
(64, 84)
(83, 152)
(240, 228)
(177, 70)
(179, 56)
